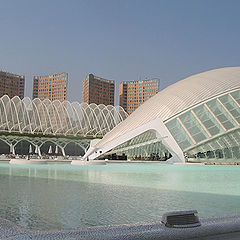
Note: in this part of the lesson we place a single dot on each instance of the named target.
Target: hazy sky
(117, 39)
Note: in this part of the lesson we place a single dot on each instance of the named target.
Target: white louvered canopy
(58, 118)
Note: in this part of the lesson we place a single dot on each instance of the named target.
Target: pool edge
(210, 227)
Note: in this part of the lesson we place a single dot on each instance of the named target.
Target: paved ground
(216, 228)
(229, 236)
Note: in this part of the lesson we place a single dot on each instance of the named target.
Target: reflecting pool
(65, 196)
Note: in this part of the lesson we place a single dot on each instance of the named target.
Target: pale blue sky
(118, 39)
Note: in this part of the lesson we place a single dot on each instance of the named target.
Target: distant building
(11, 84)
(134, 93)
(52, 87)
(98, 90)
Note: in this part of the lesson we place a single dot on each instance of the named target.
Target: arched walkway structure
(36, 122)
(58, 118)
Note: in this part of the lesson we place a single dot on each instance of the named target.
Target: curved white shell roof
(178, 97)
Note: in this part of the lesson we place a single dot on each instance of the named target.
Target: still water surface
(65, 196)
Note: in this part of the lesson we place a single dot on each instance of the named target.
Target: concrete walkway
(227, 236)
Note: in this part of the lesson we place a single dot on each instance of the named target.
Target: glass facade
(208, 120)
(180, 135)
(145, 146)
(208, 130)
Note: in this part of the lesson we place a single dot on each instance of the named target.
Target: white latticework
(58, 118)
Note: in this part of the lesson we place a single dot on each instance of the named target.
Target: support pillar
(63, 151)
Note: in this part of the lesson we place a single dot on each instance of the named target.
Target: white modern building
(198, 116)
(41, 124)
(57, 118)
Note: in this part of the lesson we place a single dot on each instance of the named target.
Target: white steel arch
(56, 118)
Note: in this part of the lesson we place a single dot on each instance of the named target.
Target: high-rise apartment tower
(134, 93)
(11, 84)
(98, 90)
(52, 87)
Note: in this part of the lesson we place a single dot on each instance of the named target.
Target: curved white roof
(177, 97)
